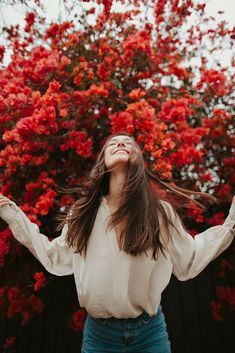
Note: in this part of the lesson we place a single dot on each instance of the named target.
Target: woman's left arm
(56, 256)
(191, 255)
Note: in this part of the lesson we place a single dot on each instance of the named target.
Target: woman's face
(119, 150)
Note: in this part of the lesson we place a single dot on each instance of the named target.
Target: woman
(122, 242)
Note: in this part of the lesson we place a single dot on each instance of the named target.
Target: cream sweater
(110, 282)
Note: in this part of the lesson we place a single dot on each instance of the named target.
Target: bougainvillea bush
(71, 84)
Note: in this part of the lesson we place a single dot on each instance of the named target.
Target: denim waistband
(141, 317)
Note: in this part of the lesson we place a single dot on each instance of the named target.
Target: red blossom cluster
(29, 19)
(39, 281)
(10, 341)
(66, 89)
(21, 304)
(2, 51)
(5, 236)
(153, 137)
(77, 320)
(226, 296)
(195, 213)
(225, 266)
(214, 82)
(217, 219)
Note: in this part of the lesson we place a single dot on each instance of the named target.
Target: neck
(116, 183)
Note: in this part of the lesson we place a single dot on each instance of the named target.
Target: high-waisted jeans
(144, 334)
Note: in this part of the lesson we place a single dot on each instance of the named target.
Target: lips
(121, 150)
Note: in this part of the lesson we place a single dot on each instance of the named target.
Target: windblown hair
(139, 208)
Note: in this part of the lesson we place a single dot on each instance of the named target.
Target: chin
(118, 162)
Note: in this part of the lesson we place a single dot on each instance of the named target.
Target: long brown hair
(140, 206)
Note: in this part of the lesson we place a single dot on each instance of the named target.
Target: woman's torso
(112, 283)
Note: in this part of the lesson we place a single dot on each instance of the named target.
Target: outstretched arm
(54, 255)
(190, 255)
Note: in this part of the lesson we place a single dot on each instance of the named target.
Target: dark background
(186, 306)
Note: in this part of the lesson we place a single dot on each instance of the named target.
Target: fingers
(4, 200)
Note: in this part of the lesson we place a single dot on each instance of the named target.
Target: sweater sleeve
(190, 255)
(54, 255)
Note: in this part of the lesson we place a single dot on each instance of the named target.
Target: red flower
(226, 294)
(5, 236)
(137, 93)
(2, 51)
(98, 90)
(196, 214)
(193, 232)
(214, 82)
(45, 202)
(63, 113)
(216, 308)
(139, 42)
(177, 110)
(107, 5)
(77, 320)
(40, 281)
(159, 10)
(186, 155)
(217, 219)
(91, 11)
(29, 19)
(121, 121)
(20, 304)
(3, 291)
(10, 341)
(225, 264)
(53, 87)
(57, 30)
(206, 177)
(224, 191)
(79, 142)
(52, 30)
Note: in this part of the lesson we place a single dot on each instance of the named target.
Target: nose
(120, 143)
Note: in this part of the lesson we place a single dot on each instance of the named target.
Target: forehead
(121, 138)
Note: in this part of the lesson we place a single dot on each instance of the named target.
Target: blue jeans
(144, 334)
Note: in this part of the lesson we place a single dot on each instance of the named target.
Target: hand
(10, 212)
(4, 200)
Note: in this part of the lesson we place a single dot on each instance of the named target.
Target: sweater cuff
(230, 220)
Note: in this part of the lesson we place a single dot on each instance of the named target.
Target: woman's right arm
(190, 255)
(55, 255)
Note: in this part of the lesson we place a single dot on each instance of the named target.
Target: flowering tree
(70, 85)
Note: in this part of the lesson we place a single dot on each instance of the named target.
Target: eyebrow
(115, 139)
